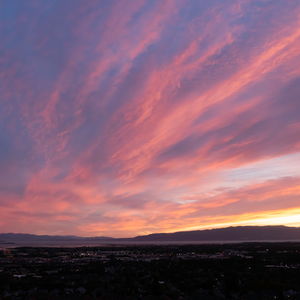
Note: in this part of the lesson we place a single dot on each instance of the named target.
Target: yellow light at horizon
(288, 218)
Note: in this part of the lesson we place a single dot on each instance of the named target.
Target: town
(219, 271)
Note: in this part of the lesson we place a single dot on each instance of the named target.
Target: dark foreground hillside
(238, 271)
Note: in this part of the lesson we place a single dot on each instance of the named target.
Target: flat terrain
(224, 271)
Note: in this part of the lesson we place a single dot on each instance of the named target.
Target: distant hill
(242, 233)
(22, 239)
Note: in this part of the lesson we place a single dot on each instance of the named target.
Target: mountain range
(234, 234)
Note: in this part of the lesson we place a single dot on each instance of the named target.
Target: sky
(123, 118)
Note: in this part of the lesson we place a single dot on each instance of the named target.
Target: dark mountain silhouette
(242, 233)
(25, 236)
(51, 240)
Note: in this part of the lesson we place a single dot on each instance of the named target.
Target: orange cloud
(128, 118)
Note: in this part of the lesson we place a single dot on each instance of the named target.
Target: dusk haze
(123, 118)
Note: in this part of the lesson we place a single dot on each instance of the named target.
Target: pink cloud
(124, 118)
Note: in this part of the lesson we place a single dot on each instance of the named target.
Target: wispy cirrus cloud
(126, 117)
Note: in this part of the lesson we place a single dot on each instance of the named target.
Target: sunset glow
(122, 118)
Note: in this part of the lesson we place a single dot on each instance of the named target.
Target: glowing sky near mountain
(127, 117)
